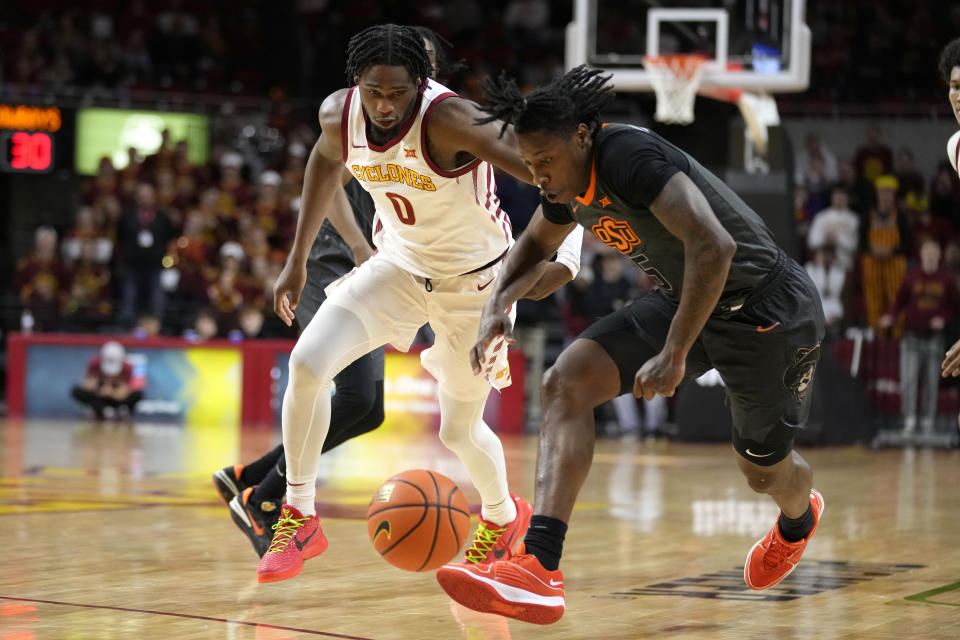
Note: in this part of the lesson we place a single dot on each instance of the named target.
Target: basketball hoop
(675, 79)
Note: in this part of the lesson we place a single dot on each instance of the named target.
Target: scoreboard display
(28, 138)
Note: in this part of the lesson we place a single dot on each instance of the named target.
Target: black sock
(796, 529)
(544, 539)
(271, 489)
(256, 471)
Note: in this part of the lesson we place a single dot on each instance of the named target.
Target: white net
(675, 79)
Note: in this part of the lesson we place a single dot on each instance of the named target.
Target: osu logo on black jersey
(617, 234)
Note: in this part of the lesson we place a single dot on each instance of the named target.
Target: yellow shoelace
(285, 529)
(485, 540)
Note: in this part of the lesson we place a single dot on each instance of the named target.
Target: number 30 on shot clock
(26, 151)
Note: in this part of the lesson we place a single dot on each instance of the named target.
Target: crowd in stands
(864, 218)
(885, 52)
(163, 246)
(167, 246)
(251, 48)
(883, 247)
(189, 47)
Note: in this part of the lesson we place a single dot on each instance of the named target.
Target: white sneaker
(909, 425)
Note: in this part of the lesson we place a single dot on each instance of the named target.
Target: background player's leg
(356, 392)
(256, 471)
(357, 406)
(373, 418)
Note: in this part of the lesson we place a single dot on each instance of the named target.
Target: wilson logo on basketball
(617, 234)
(384, 526)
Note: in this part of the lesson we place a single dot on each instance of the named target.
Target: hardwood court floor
(116, 532)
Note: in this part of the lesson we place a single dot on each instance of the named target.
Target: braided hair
(949, 58)
(575, 97)
(388, 44)
(441, 47)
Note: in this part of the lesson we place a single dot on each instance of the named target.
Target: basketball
(418, 520)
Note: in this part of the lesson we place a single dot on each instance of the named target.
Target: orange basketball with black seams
(418, 520)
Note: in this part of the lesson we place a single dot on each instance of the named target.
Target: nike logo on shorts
(759, 455)
(481, 287)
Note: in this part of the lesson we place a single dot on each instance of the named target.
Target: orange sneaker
(295, 538)
(772, 558)
(227, 482)
(518, 588)
(491, 542)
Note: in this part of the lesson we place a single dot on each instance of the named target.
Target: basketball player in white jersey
(441, 236)
(950, 71)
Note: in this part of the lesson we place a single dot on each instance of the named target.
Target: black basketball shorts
(766, 353)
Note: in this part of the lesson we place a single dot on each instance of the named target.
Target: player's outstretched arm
(321, 180)
(522, 267)
(708, 250)
(453, 128)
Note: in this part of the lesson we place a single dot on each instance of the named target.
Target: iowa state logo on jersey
(617, 234)
(393, 173)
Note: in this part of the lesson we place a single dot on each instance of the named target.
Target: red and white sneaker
(295, 538)
(518, 588)
(491, 542)
(772, 558)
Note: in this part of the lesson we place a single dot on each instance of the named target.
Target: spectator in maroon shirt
(108, 382)
(928, 299)
(42, 281)
(89, 299)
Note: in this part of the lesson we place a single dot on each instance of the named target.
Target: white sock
(300, 497)
(500, 514)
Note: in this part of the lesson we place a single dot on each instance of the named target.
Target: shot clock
(27, 138)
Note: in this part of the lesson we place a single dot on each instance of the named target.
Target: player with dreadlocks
(441, 237)
(254, 492)
(727, 298)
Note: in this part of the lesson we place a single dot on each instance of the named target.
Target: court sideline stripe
(188, 616)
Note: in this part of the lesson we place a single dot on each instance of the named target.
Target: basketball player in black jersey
(728, 298)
